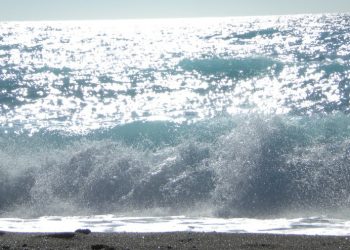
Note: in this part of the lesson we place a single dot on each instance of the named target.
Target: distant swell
(233, 166)
(80, 76)
(233, 68)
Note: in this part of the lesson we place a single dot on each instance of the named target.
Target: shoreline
(179, 240)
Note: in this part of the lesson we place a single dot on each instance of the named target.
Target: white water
(111, 223)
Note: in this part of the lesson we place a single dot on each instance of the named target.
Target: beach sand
(181, 240)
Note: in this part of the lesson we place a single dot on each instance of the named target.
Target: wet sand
(180, 240)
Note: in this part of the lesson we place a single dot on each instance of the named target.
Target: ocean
(236, 124)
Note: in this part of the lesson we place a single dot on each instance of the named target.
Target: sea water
(209, 124)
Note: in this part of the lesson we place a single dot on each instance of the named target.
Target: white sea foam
(111, 223)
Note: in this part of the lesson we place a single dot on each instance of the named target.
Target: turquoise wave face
(235, 69)
(82, 76)
(251, 166)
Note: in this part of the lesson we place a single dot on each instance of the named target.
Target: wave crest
(256, 166)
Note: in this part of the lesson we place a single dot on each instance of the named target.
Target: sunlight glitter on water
(77, 76)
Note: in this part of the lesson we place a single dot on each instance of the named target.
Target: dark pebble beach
(181, 240)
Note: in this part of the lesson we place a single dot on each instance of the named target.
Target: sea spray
(258, 166)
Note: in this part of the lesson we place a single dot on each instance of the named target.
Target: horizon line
(179, 18)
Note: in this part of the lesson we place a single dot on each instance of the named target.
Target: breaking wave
(229, 166)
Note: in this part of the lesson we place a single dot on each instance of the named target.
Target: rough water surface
(220, 117)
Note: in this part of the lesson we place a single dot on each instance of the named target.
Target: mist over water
(227, 117)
